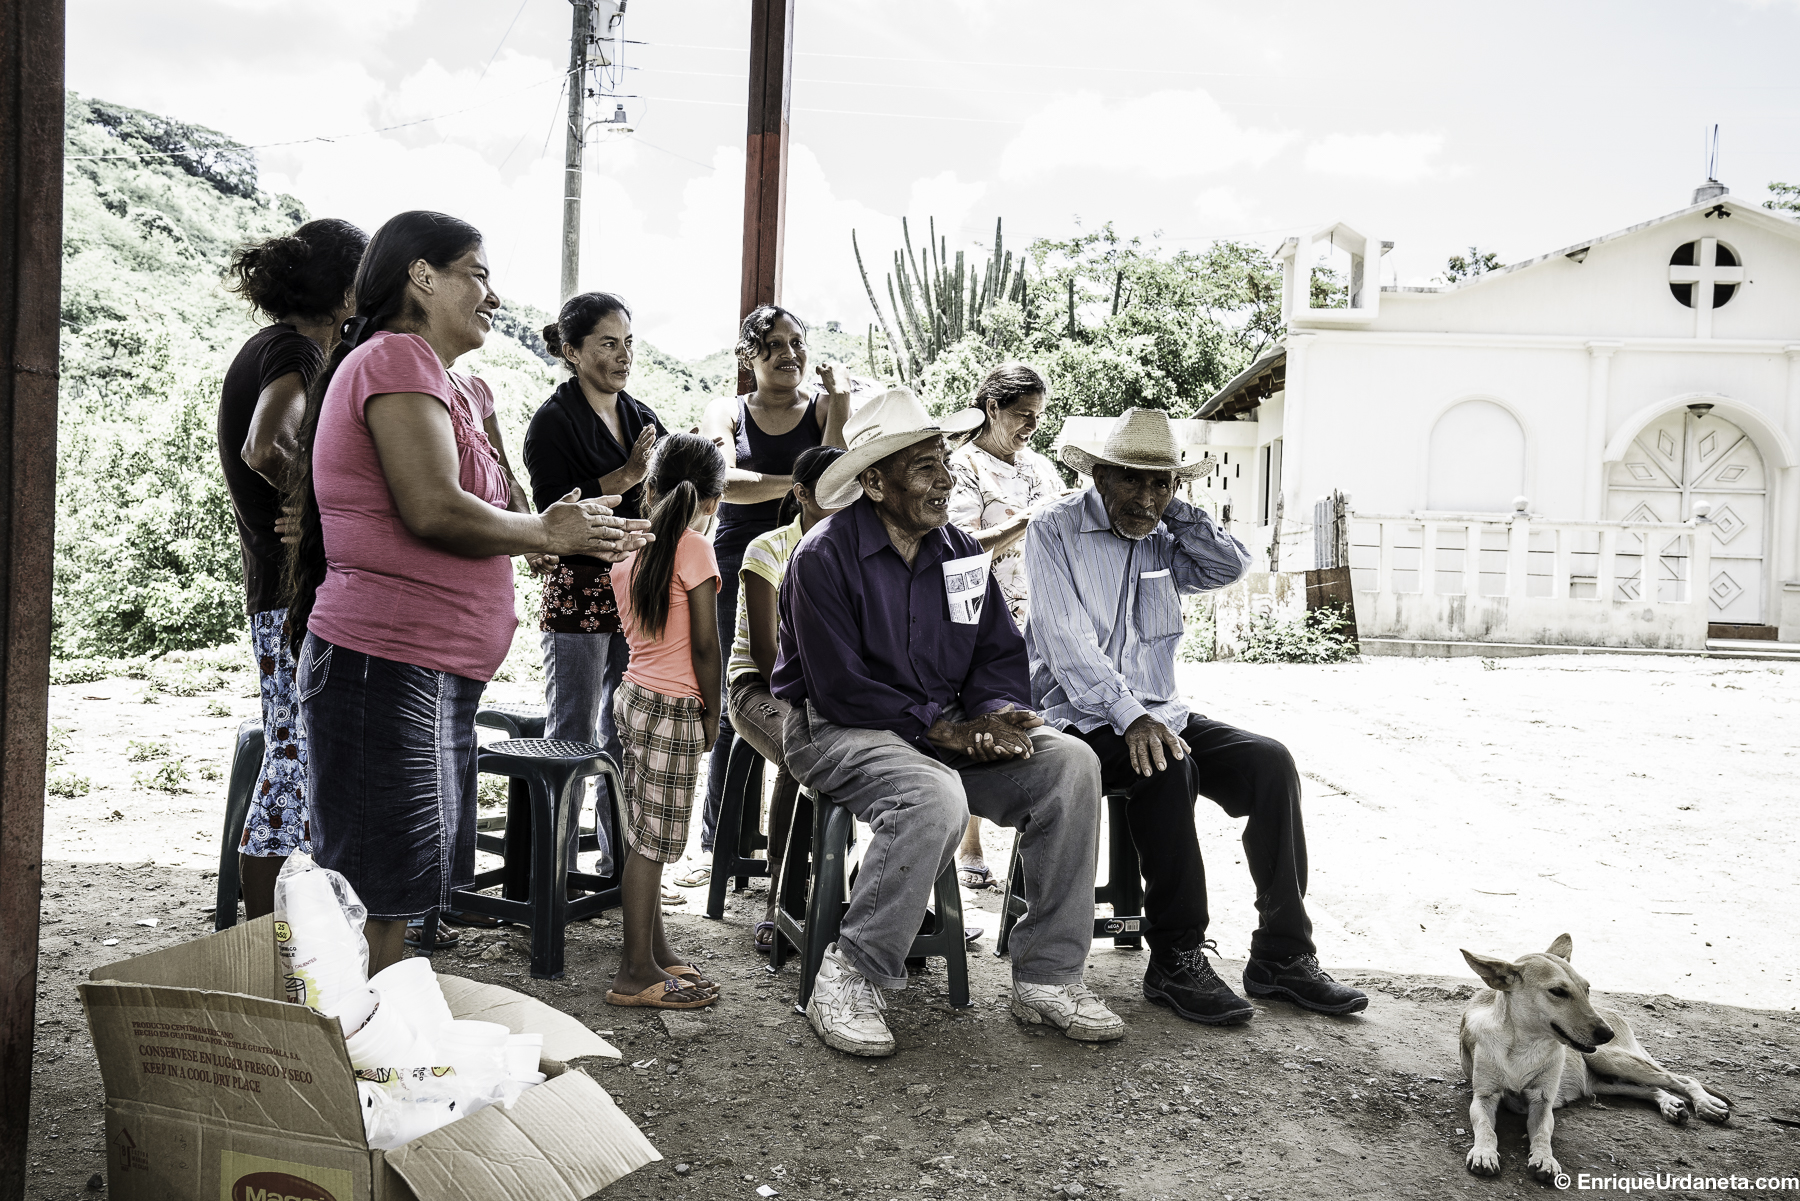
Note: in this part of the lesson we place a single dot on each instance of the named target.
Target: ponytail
(685, 472)
(381, 301)
(808, 467)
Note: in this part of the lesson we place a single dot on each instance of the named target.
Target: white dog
(1533, 1040)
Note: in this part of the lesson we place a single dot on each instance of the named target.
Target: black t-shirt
(269, 354)
(568, 446)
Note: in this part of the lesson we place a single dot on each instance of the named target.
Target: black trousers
(1246, 775)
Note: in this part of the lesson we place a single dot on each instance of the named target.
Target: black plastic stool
(519, 721)
(814, 876)
(246, 767)
(740, 810)
(547, 776)
(1123, 890)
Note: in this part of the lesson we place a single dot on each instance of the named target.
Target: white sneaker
(846, 1010)
(1071, 1008)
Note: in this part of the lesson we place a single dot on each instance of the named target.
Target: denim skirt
(390, 775)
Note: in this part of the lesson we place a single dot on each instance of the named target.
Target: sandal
(671, 897)
(670, 994)
(976, 877)
(690, 972)
(696, 878)
(760, 943)
(415, 934)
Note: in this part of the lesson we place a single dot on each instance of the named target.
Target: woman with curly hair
(301, 283)
(762, 433)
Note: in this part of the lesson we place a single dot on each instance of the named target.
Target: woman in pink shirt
(401, 580)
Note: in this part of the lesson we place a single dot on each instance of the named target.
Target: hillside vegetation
(146, 551)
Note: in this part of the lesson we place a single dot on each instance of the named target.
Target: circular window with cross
(1704, 275)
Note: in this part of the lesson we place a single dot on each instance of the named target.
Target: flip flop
(756, 938)
(972, 935)
(415, 934)
(671, 897)
(976, 878)
(670, 994)
(689, 971)
(696, 878)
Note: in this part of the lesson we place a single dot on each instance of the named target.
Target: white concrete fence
(1487, 578)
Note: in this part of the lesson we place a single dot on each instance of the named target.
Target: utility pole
(572, 146)
(765, 158)
(31, 208)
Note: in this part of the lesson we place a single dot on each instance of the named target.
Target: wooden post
(765, 157)
(31, 181)
(574, 139)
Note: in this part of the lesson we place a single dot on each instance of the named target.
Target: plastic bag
(319, 933)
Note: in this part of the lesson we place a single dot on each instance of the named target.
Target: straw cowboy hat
(1143, 439)
(892, 421)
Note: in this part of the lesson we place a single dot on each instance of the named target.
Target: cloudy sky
(1520, 127)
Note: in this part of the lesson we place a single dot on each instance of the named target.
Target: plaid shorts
(663, 738)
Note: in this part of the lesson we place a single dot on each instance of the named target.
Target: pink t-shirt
(666, 664)
(387, 592)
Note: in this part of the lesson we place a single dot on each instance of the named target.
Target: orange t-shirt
(666, 664)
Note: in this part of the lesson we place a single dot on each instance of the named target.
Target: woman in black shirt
(301, 283)
(591, 436)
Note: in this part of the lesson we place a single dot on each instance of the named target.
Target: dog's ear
(1563, 948)
(1497, 974)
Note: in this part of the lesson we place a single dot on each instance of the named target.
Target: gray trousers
(581, 672)
(917, 808)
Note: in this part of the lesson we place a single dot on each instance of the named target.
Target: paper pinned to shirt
(965, 584)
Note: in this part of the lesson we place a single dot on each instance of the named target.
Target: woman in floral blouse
(1000, 482)
(594, 436)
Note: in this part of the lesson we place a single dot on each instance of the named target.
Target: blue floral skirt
(279, 821)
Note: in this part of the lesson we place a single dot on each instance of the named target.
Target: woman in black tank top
(763, 433)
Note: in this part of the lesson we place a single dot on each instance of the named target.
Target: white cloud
(1165, 135)
(1397, 157)
(1221, 206)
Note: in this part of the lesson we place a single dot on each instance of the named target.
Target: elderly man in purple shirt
(910, 698)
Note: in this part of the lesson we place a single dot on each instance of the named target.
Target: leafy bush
(168, 776)
(139, 752)
(1322, 636)
(67, 784)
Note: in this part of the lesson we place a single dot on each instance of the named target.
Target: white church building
(1592, 447)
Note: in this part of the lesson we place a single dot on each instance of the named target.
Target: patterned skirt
(663, 738)
(279, 821)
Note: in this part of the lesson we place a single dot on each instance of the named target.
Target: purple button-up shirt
(869, 640)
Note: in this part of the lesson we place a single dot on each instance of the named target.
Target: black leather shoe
(1185, 982)
(1302, 981)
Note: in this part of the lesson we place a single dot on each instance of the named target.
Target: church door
(1676, 460)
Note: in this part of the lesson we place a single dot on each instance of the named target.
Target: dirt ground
(1644, 807)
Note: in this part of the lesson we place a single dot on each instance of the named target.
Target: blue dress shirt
(1106, 610)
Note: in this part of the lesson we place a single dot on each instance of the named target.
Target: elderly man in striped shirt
(1108, 568)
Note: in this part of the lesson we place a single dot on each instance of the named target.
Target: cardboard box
(218, 1089)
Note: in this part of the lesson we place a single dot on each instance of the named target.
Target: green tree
(1115, 323)
(1785, 199)
(1468, 266)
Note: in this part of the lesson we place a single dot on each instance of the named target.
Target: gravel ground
(1447, 806)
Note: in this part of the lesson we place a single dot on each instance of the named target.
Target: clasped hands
(1002, 734)
(573, 526)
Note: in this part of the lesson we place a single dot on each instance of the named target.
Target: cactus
(935, 304)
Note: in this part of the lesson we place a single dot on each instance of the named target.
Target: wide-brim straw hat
(892, 421)
(1144, 439)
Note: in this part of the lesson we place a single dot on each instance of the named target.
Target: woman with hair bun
(1000, 483)
(401, 580)
(301, 283)
(593, 437)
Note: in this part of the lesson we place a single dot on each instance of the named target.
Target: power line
(503, 37)
(131, 154)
